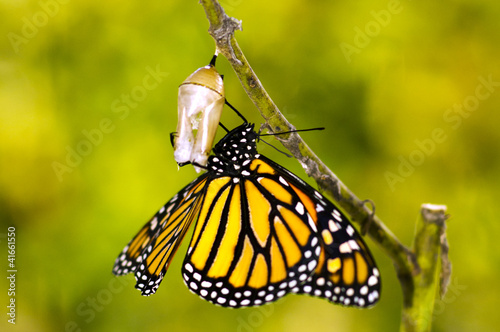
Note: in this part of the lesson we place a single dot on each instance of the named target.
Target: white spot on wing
(206, 284)
(337, 215)
(311, 223)
(154, 223)
(299, 208)
(353, 245)
(344, 248)
(350, 230)
(311, 265)
(283, 181)
(333, 226)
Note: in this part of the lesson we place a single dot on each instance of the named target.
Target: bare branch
(414, 268)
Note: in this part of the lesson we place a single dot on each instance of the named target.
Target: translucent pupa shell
(200, 102)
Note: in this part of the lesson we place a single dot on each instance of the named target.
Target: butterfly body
(261, 232)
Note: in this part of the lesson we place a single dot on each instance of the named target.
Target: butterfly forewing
(151, 250)
(248, 247)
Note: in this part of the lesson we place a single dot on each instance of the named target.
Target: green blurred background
(66, 68)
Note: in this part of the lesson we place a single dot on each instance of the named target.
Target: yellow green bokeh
(82, 168)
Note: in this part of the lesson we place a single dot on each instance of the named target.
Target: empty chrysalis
(200, 102)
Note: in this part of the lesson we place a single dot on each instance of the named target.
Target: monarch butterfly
(261, 232)
(200, 102)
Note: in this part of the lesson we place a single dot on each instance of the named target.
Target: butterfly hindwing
(254, 247)
(346, 273)
(151, 250)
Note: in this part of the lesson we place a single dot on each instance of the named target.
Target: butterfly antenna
(286, 154)
(237, 112)
(292, 131)
(285, 132)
